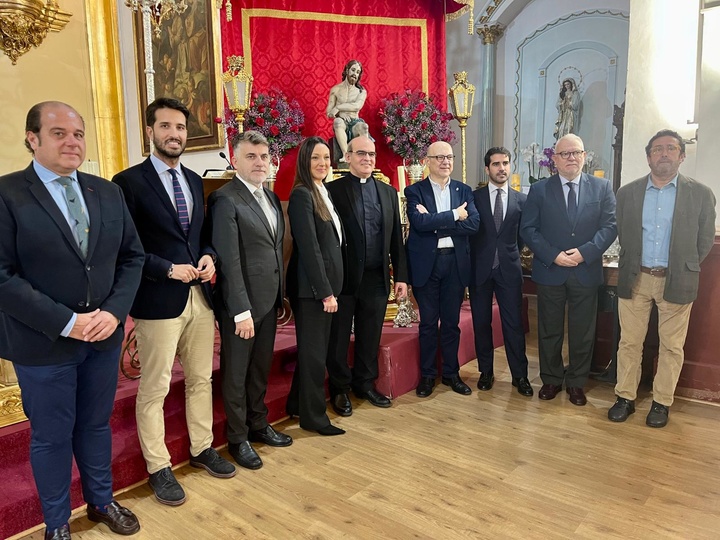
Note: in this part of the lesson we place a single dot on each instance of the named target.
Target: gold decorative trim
(457, 14)
(25, 24)
(489, 11)
(334, 17)
(106, 78)
(490, 34)
(11, 411)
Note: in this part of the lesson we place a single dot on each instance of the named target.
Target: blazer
(691, 238)
(427, 229)
(250, 259)
(156, 219)
(316, 264)
(546, 229)
(342, 194)
(507, 240)
(44, 277)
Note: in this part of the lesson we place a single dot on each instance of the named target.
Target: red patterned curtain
(301, 47)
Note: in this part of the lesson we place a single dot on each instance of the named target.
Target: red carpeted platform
(20, 507)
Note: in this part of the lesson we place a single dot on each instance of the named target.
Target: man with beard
(496, 270)
(666, 227)
(344, 104)
(172, 309)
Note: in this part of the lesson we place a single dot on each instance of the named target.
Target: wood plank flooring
(490, 465)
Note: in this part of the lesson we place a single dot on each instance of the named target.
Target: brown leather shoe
(549, 391)
(577, 396)
(118, 518)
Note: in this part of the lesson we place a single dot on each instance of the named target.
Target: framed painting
(187, 68)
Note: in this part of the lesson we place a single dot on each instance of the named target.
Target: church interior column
(489, 34)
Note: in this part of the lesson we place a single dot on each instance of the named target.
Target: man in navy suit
(70, 263)
(568, 222)
(442, 215)
(172, 309)
(495, 264)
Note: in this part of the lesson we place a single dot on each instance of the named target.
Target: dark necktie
(572, 203)
(498, 219)
(77, 214)
(180, 202)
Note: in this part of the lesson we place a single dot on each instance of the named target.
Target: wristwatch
(170, 272)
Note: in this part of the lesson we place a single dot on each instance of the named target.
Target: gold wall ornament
(462, 98)
(468, 5)
(228, 9)
(158, 10)
(25, 23)
(238, 86)
(490, 33)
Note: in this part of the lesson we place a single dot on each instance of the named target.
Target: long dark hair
(303, 178)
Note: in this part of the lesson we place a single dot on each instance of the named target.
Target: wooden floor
(490, 465)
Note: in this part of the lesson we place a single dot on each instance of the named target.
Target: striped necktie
(77, 214)
(180, 202)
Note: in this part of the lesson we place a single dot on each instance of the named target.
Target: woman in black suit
(314, 278)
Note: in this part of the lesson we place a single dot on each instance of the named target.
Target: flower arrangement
(411, 122)
(546, 160)
(275, 116)
(543, 160)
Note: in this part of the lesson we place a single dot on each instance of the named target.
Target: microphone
(229, 167)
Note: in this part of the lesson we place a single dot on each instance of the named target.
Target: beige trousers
(192, 336)
(672, 328)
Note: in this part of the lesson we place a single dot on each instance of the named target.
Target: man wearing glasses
(666, 226)
(442, 216)
(371, 221)
(568, 222)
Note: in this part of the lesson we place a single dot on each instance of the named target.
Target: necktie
(572, 203)
(262, 201)
(180, 202)
(77, 214)
(498, 219)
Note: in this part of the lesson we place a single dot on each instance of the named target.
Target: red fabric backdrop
(301, 47)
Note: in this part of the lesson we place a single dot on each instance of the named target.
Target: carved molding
(24, 24)
(490, 33)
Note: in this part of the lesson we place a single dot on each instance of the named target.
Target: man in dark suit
(172, 309)
(496, 270)
(371, 221)
(247, 233)
(568, 222)
(666, 227)
(442, 215)
(70, 263)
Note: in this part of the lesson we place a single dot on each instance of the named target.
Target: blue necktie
(180, 202)
(572, 203)
(77, 214)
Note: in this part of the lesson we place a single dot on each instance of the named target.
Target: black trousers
(582, 314)
(307, 393)
(509, 300)
(244, 368)
(367, 307)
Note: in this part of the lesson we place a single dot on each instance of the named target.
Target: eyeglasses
(670, 148)
(363, 154)
(440, 159)
(577, 154)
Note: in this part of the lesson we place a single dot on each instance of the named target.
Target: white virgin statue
(568, 105)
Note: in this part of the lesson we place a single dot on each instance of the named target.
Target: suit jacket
(692, 237)
(427, 229)
(250, 259)
(507, 240)
(316, 264)
(43, 276)
(158, 225)
(342, 194)
(546, 229)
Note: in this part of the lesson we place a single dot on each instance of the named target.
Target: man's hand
(101, 326)
(206, 268)
(563, 259)
(575, 255)
(245, 329)
(400, 290)
(421, 209)
(186, 272)
(330, 304)
(462, 213)
(81, 321)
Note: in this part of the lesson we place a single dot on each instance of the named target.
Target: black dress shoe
(425, 387)
(61, 533)
(342, 405)
(245, 455)
(119, 519)
(523, 386)
(621, 410)
(166, 488)
(375, 398)
(457, 385)
(549, 391)
(658, 415)
(486, 380)
(213, 463)
(330, 430)
(577, 395)
(270, 437)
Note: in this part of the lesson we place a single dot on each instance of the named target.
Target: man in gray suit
(666, 227)
(247, 234)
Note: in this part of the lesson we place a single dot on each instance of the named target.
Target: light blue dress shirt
(657, 215)
(443, 204)
(163, 171)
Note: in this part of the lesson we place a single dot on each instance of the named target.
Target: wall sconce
(238, 85)
(25, 24)
(463, 97)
